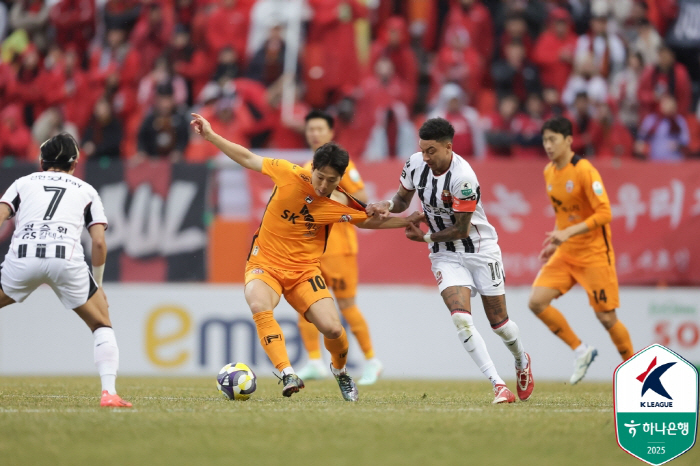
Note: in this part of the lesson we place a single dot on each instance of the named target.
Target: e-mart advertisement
(196, 329)
(656, 220)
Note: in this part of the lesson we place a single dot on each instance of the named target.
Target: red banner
(655, 228)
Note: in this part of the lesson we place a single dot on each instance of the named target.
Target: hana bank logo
(651, 380)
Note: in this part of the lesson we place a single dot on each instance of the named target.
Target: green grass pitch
(184, 421)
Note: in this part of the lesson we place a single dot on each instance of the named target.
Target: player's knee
(333, 331)
(256, 307)
(463, 321)
(344, 303)
(608, 319)
(537, 305)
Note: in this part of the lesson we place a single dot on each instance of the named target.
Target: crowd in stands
(122, 76)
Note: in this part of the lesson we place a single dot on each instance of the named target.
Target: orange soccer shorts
(301, 288)
(341, 272)
(599, 281)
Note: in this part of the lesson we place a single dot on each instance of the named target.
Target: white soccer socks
(106, 358)
(510, 334)
(474, 343)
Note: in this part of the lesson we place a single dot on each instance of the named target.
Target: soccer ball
(236, 381)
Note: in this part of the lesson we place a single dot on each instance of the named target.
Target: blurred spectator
(165, 131)
(554, 50)
(121, 14)
(552, 102)
(74, 22)
(227, 66)
(15, 138)
(33, 17)
(684, 39)
(624, 90)
(458, 61)
(663, 14)
(50, 123)
(469, 139)
(195, 64)
(152, 32)
(610, 136)
(288, 132)
(230, 118)
(30, 85)
(381, 106)
(534, 12)
(472, 18)
(527, 127)
(267, 65)
(585, 80)
(393, 42)
(499, 134)
(228, 26)
(4, 13)
(663, 135)
(515, 74)
(266, 14)
(331, 62)
(666, 77)
(584, 125)
(162, 74)
(103, 135)
(515, 30)
(351, 132)
(607, 50)
(78, 102)
(647, 42)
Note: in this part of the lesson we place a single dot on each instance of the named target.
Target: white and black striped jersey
(50, 210)
(455, 190)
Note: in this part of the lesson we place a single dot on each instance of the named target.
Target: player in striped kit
(51, 208)
(464, 250)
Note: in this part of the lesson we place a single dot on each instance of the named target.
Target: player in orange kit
(579, 250)
(339, 267)
(285, 255)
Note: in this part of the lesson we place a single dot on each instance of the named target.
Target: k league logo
(656, 405)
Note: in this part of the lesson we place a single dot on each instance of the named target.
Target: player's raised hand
(201, 126)
(414, 233)
(379, 209)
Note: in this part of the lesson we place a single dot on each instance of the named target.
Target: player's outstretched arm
(99, 251)
(399, 203)
(459, 230)
(379, 223)
(5, 212)
(235, 152)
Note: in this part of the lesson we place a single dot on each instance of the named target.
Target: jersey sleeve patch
(598, 188)
(465, 191)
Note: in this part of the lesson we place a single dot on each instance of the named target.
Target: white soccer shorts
(481, 272)
(70, 280)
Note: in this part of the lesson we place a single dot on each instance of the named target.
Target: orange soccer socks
(338, 347)
(311, 338)
(557, 323)
(272, 339)
(621, 337)
(359, 328)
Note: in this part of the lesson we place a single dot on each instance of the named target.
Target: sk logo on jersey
(651, 380)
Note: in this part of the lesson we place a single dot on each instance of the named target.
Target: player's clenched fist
(201, 126)
(379, 209)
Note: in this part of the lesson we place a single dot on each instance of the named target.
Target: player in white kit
(464, 250)
(50, 209)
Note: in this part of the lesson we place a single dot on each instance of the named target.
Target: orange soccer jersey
(343, 238)
(297, 222)
(577, 194)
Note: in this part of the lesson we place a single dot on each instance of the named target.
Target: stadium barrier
(194, 329)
